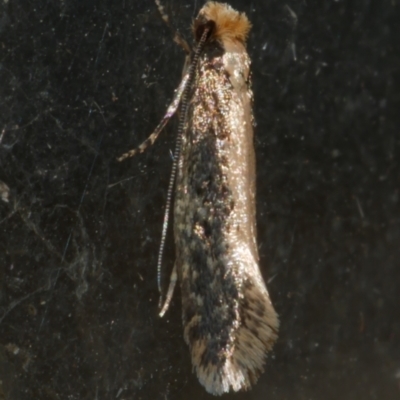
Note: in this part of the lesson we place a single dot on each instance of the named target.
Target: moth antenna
(172, 282)
(170, 112)
(177, 154)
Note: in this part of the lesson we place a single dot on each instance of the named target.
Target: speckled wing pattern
(229, 321)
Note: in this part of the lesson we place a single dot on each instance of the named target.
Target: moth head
(225, 23)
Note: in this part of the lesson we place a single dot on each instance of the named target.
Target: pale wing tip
(242, 368)
(238, 366)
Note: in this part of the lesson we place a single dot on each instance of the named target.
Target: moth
(229, 321)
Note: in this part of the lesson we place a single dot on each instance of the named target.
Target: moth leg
(177, 37)
(170, 112)
(172, 282)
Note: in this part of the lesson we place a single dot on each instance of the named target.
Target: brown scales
(229, 23)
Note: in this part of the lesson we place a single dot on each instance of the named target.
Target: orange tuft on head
(229, 23)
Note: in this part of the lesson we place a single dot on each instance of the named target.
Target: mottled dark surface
(83, 81)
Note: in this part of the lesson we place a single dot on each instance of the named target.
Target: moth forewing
(229, 321)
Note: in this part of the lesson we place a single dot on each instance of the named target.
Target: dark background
(83, 81)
